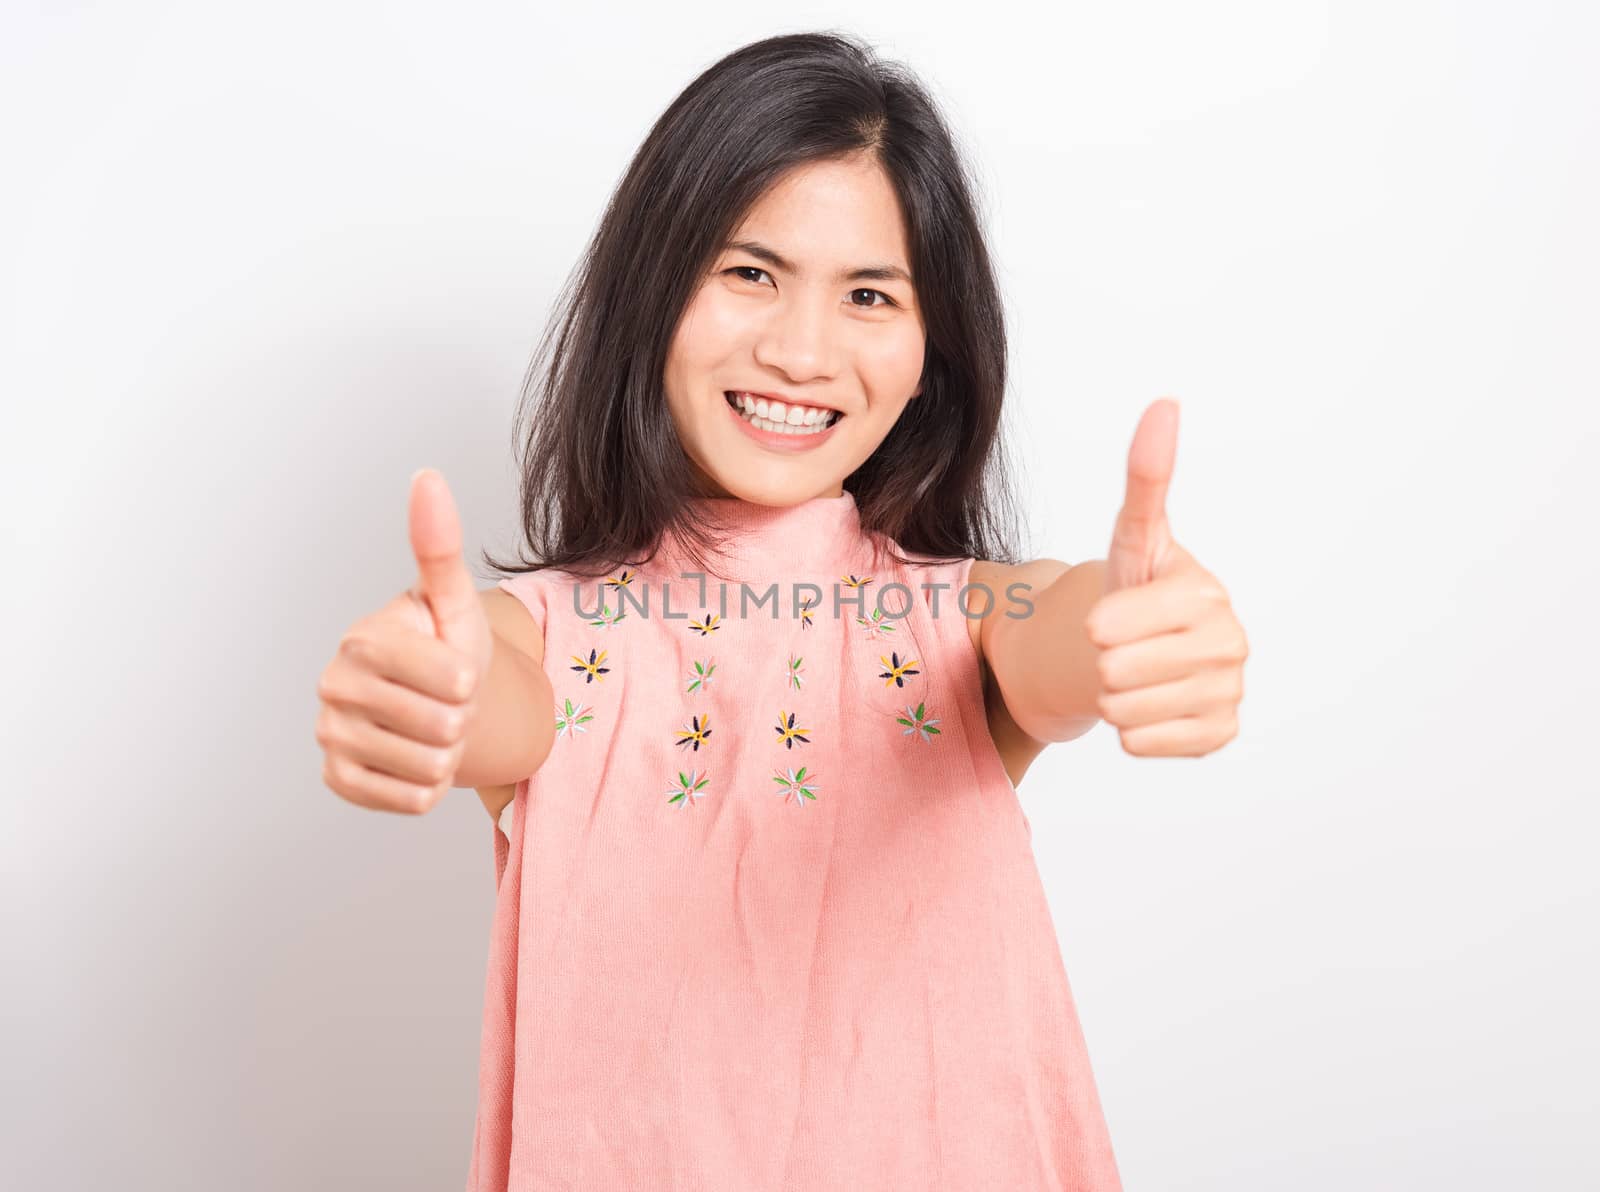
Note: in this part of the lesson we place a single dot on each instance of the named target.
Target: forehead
(826, 217)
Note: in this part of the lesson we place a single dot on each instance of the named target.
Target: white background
(260, 263)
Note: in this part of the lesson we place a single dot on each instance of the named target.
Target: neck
(816, 536)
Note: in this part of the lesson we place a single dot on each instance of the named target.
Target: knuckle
(325, 729)
(451, 723)
(1238, 648)
(1106, 667)
(359, 648)
(440, 766)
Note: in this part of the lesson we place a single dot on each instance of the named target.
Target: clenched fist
(1172, 652)
(403, 685)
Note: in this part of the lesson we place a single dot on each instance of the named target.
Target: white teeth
(784, 419)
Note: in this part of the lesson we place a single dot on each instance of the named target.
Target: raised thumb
(443, 581)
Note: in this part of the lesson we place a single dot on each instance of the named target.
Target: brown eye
(887, 301)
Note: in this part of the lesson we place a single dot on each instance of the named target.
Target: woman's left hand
(1171, 651)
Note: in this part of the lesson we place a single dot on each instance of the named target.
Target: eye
(741, 270)
(887, 301)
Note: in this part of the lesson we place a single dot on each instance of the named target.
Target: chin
(772, 485)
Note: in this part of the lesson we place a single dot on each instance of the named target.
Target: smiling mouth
(777, 417)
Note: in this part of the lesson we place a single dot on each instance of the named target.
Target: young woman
(756, 706)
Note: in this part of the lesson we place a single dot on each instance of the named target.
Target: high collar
(819, 535)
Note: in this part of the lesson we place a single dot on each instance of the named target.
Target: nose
(799, 340)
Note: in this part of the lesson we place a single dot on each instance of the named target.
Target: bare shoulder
(1012, 586)
(511, 621)
(998, 578)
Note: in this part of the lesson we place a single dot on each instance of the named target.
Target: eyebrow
(779, 261)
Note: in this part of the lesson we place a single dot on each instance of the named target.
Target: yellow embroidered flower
(788, 733)
(696, 733)
(898, 671)
(592, 670)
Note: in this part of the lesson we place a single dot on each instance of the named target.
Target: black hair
(603, 472)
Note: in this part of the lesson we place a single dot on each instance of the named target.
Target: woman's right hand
(403, 686)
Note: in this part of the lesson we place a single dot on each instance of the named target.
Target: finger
(378, 792)
(1150, 463)
(1187, 736)
(395, 707)
(1201, 694)
(352, 735)
(415, 660)
(1141, 522)
(1160, 659)
(1163, 605)
(442, 576)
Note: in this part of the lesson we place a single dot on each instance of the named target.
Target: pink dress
(768, 916)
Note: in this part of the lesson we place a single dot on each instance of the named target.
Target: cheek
(894, 362)
(710, 330)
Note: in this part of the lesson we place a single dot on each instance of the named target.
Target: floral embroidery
(898, 671)
(700, 677)
(918, 722)
(794, 784)
(695, 735)
(788, 733)
(851, 581)
(876, 625)
(794, 668)
(622, 580)
(607, 617)
(708, 623)
(592, 669)
(805, 613)
(689, 788)
(571, 718)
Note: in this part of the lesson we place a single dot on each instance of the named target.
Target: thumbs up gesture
(402, 687)
(1172, 653)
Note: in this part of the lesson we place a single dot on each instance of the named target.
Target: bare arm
(511, 734)
(1044, 664)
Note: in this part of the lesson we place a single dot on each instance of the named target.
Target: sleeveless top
(768, 915)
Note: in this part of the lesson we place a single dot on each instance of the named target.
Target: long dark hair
(603, 472)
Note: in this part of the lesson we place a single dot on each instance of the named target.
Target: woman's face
(781, 314)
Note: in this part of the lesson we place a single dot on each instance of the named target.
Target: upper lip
(788, 401)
